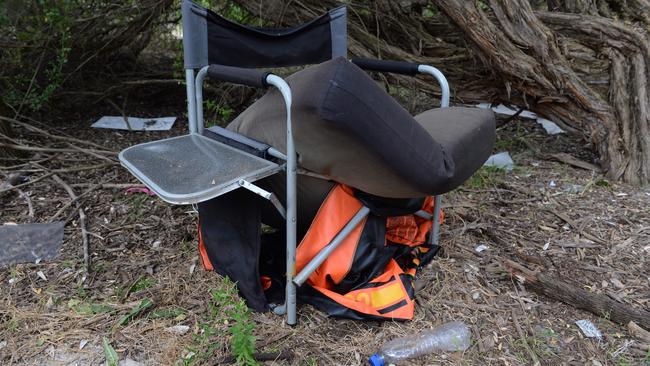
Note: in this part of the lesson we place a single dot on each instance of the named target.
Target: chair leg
(435, 230)
(290, 295)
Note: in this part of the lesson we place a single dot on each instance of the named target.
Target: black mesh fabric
(230, 43)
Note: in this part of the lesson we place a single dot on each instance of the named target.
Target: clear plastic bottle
(452, 336)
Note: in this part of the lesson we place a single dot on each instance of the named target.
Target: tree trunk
(572, 64)
(528, 55)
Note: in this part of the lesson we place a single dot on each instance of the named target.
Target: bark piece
(567, 293)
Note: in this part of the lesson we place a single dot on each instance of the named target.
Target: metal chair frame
(195, 108)
(194, 82)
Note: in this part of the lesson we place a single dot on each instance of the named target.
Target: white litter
(41, 275)
(178, 329)
(589, 329)
(83, 343)
(546, 246)
(3, 344)
(501, 160)
(137, 124)
(481, 248)
(550, 126)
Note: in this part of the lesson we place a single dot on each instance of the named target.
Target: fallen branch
(524, 339)
(52, 149)
(27, 183)
(82, 224)
(92, 153)
(30, 207)
(55, 171)
(556, 289)
(638, 332)
(49, 135)
(573, 161)
(75, 200)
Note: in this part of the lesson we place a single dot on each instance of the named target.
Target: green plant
(242, 339)
(505, 143)
(485, 177)
(85, 308)
(141, 284)
(171, 313)
(430, 11)
(11, 325)
(220, 114)
(602, 183)
(141, 308)
(109, 352)
(225, 307)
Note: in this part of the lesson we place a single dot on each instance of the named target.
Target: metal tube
(191, 100)
(435, 230)
(292, 161)
(275, 153)
(198, 86)
(444, 85)
(425, 215)
(434, 238)
(329, 248)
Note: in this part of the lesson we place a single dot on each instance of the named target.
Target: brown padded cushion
(348, 128)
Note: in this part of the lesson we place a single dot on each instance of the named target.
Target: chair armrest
(230, 74)
(239, 75)
(407, 68)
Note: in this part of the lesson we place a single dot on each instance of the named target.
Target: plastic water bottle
(452, 336)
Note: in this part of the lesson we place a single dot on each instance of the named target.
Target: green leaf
(109, 353)
(144, 305)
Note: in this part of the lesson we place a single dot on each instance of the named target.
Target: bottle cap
(376, 360)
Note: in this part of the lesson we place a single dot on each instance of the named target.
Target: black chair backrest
(211, 39)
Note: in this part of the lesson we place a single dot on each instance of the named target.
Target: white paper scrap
(550, 126)
(589, 329)
(501, 160)
(41, 275)
(137, 124)
(178, 329)
(481, 248)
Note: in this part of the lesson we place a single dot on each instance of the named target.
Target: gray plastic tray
(193, 168)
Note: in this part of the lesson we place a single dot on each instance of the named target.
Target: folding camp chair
(207, 163)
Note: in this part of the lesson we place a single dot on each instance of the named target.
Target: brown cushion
(348, 128)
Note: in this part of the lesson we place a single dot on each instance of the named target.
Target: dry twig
(82, 223)
(523, 338)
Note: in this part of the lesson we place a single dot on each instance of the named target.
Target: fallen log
(569, 294)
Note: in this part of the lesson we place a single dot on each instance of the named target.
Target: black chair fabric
(348, 128)
(211, 39)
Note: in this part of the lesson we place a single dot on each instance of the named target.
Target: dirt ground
(143, 251)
